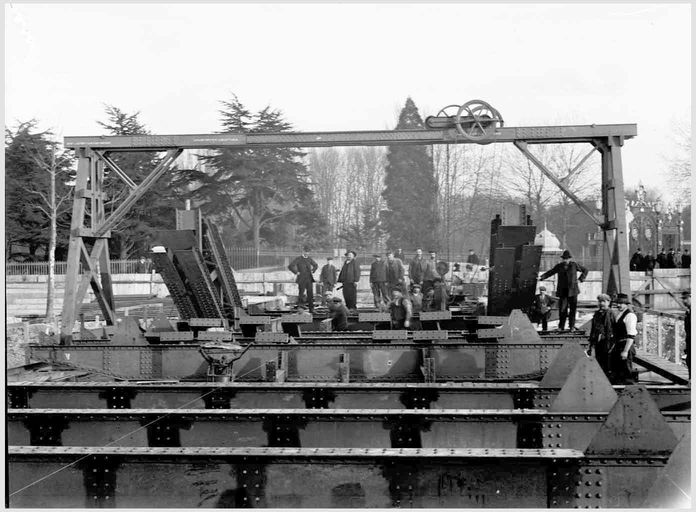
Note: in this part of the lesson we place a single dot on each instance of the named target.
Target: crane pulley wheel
(477, 120)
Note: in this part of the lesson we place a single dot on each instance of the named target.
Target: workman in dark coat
(349, 276)
(304, 267)
(623, 350)
(671, 259)
(661, 259)
(430, 272)
(602, 333)
(378, 281)
(567, 289)
(686, 259)
(473, 259)
(339, 314)
(401, 310)
(637, 262)
(327, 277)
(416, 268)
(440, 295)
(649, 261)
(541, 308)
(395, 272)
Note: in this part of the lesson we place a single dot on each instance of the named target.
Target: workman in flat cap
(623, 351)
(304, 267)
(602, 332)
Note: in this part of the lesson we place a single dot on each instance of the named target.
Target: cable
(215, 388)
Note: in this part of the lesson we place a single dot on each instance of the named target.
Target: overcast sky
(351, 66)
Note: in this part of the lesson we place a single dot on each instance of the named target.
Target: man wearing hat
(416, 298)
(395, 272)
(303, 267)
(622, 353)
(541, 308)
(349, 276)
(567, 289)
(378, 281)
(430, 272)
(327, 278)
(339, 314)
(602, 332)
(416, 267)
(400, 310)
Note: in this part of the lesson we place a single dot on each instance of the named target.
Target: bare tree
(679, 169)
(468, 179)
(573, 164)
(51, 204)
(348, 184)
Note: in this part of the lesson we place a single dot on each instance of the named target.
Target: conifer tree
(133, 235)
(264, 192)
(410, 192)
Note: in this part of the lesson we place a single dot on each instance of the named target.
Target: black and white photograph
(348, 255)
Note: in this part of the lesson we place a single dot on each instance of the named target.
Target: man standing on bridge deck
(567, 289)
(349, 276)
(602, 332)
(303, 267)
(327, 278)
(622, 353)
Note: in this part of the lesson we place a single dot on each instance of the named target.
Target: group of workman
(425, 289)
(647, 262)
(612, 334)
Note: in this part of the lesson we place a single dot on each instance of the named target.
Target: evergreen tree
(155, 210)
(410, 190)
(264, 192)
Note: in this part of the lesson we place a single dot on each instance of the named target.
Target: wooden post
(644, 332)
(677, 342)
(659, 335)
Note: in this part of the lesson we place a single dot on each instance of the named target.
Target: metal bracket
(99, 476)
(118, 398)
(251, 486)
(18, 398)
(283, 432)
(318, 398)
(218, 398)
(419, 398)
(165, 432)
(46, 431)
(406, 432)
(529, 434)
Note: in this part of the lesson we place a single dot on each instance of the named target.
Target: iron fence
(240, 258)
(40, 268)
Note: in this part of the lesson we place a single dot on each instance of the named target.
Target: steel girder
(312, 428)
(298, 395)
(396, 361)
(326, 478)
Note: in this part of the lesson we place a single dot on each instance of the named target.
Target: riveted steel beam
(331, 477)
(309, 395)
(531, 134)
(394, 361)
(313, 428)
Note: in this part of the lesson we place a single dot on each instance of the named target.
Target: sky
(335, 67)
